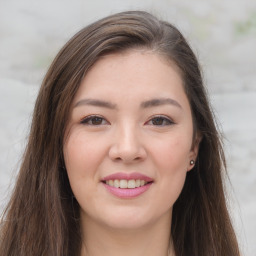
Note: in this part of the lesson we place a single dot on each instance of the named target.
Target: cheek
(81, 153)
(82, 158)
(171, 160)
(173, 154)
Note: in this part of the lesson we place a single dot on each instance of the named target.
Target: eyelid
(87, 119)
(164, 117)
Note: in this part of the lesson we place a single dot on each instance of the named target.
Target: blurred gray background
(223, 35)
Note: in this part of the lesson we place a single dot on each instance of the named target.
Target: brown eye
(94, 120)
(160, 121)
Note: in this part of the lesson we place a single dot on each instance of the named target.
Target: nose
(127, 146)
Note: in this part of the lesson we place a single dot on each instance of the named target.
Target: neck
(150, 240)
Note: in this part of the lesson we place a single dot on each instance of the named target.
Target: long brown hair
(42, 217)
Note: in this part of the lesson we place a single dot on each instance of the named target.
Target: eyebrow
(145, 104)
(95, 102)
(159, 102)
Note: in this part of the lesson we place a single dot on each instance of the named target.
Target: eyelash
(164, 121)
(90, 119)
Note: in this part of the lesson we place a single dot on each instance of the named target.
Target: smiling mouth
(126, 183)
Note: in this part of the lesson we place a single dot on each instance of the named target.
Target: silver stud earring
(192, 162)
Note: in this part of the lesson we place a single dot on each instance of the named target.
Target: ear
(194, 151)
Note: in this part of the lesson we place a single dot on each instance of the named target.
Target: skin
(129, 136)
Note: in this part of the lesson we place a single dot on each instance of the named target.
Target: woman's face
(128, 144)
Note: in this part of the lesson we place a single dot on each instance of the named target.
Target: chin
(129, 218)
(126, 224)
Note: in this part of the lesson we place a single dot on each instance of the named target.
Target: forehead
(132, 71)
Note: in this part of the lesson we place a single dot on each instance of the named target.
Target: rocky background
(222, 33)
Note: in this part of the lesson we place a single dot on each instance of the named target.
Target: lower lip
(127, 192)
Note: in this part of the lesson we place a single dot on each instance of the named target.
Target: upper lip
(127, 176)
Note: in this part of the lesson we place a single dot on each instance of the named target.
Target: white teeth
(123, 183)
(126, 183)
(116, 183)
(131, 184)
(137, 183)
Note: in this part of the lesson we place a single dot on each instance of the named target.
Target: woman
(123, 156)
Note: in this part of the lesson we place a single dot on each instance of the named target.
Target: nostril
(118, 159)
(127, 159)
